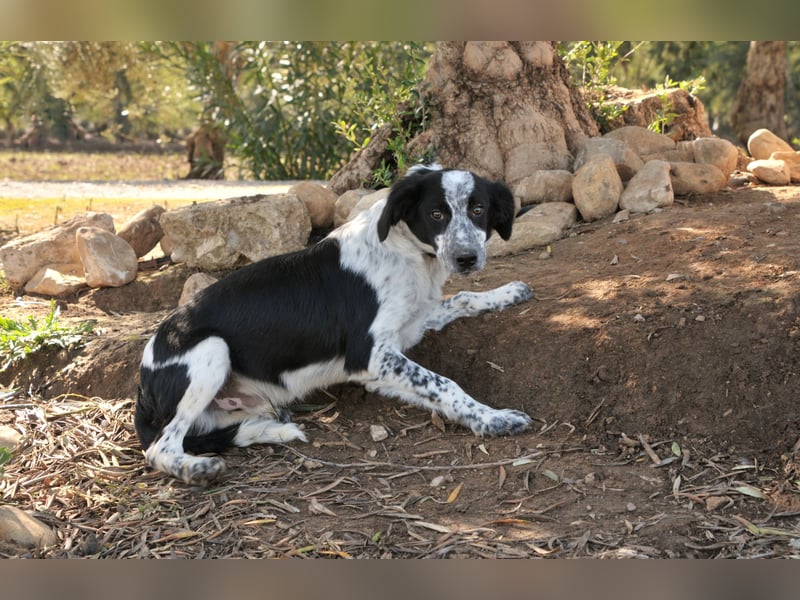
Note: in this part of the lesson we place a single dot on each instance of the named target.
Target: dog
(222, 369)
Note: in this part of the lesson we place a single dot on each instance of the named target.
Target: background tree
(760, 98)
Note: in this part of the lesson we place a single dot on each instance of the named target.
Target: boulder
(367, 201)
(23, 257)
(792, 160)
(19, 528)
(108, 260)
(319, 201)
(649, 189)
(597, 187)
(221, 234)
(771, 171)
(544, 186)
(9, 437)
(641, 140)
(143, 230)
(694, 178)
(57, 280)
(626, 160)
(539, 226)
(715, 151)
(193, 284)
(345, 203)
(762, 143)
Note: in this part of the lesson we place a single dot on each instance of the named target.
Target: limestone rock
(689, 119)
(57, 280)
(219, 235)
(143, 230)
(641, 140)
(23, 257)
(19, 528)
(649, 189)
(597, 187)
(345, 203)
(626, 160)
(539, 226)
(194, 283)
(716, 151)
(792, 160)
(694, 178)
(367, 201)
(319, 201)
(773, 172)
(544, 186)
(762, 143)
(108, 260)
(9, 437)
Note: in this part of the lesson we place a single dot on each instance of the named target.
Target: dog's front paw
(503, 422)
(519, 292)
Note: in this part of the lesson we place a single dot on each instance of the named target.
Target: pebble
(378, 433)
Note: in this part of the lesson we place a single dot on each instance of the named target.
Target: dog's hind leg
(470, 304)
(207, 367)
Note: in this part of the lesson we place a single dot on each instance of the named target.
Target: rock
(715, 151)
(773, 172)
(544, 186)
(762, 143)
(108, 260)
(367, 201)
(221, 234)
(57, 280)
(143, 230)
(683, 152)
(792, 160)
(345, 203)
(597, 187)
(649, 189)
(194, 283)
(23, 257)
(9, 437)
(378, 433)
(319, 201)
(689, 120)
(19, 528)
(626, 160)
(693, 178)
(539, 226)
(641, 140)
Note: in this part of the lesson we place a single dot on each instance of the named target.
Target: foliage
(296, 110)
(18, 339)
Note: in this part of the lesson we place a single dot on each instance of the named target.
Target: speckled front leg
(470, 304)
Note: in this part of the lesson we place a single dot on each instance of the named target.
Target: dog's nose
(466, 261)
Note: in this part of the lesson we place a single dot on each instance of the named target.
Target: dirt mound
(659, 360)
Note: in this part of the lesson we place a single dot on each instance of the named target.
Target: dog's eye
(437, 215)
(477, 210)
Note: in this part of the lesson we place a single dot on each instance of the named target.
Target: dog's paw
(289, 432)
(503, 422)
(202, 470)
(519, 292)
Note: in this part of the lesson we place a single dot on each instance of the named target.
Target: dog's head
(451, 213)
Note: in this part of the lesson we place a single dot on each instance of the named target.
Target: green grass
(18, 339)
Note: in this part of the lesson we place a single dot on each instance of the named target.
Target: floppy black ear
(501, 209)
(400, 204)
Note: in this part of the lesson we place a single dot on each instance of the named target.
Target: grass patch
(18, 165)
(18, 339)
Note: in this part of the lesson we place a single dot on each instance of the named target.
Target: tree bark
(760, 98)
(501, 109)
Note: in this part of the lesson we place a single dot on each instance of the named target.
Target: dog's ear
(501, 209)
(400, 203)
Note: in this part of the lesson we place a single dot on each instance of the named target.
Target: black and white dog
(221, 370)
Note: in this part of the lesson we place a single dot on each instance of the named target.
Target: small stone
(639, 318)
(21, 529)
(378, 433)
(108, 260)
(194, 283)
(437, 481)
(9, 437)
(622, 216)
(631, 507)
(699, 318)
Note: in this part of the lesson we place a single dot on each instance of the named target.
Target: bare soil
(659, 360)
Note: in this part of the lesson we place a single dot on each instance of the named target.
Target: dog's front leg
(396, 375)
(470, 304)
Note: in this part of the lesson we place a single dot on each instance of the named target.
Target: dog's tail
(149, 424)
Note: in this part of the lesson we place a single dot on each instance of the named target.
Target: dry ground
(659, 360)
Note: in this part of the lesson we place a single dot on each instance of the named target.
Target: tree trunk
(501, 109)
(760, 98)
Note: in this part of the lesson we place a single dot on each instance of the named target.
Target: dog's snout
(466, 261)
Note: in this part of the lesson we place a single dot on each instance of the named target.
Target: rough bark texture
(502, 109)
(760, 99)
